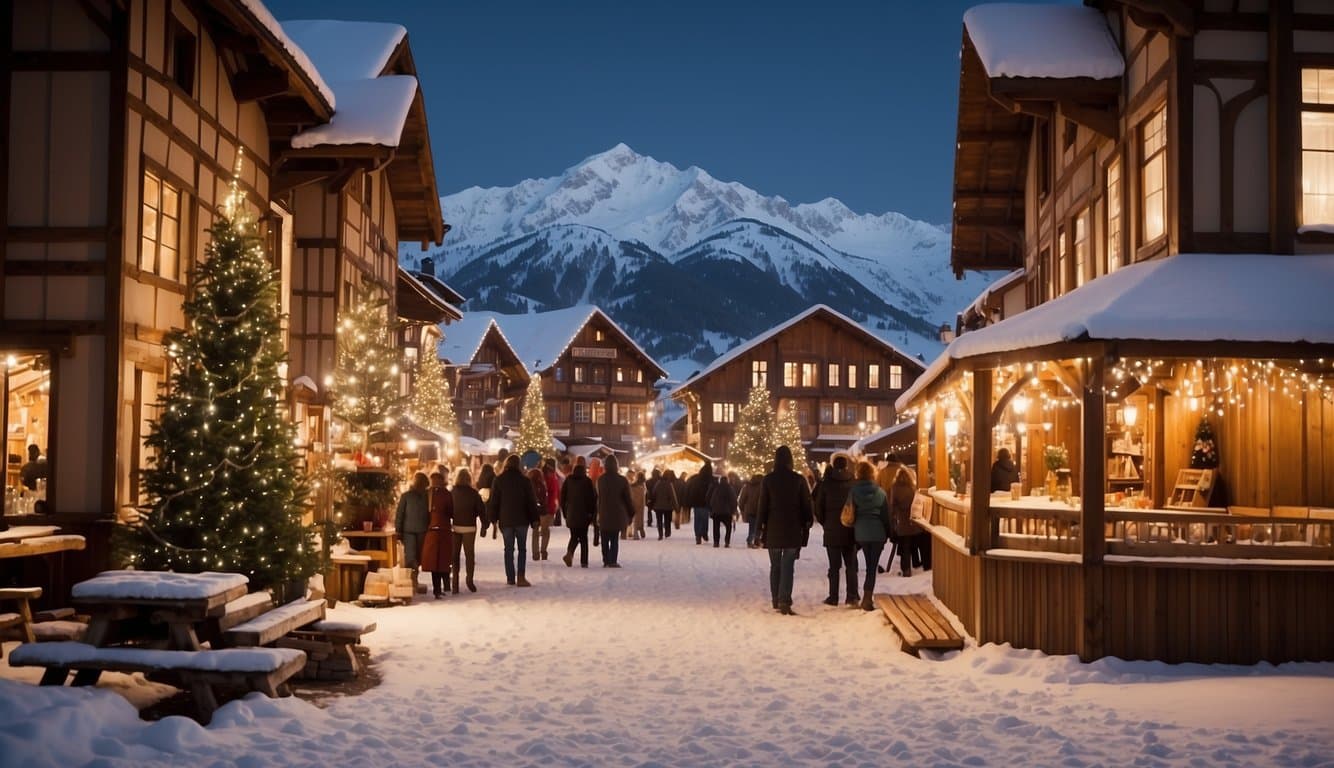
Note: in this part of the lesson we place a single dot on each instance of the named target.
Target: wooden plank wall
(1215, 615)
(1030, 604)
(954, 582)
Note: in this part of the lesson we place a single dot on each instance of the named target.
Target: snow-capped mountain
(692, 264)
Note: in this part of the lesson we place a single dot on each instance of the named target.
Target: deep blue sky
(853, 99)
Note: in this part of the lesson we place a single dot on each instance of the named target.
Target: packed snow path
(678, 659)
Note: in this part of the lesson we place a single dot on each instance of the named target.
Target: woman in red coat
(438, 545)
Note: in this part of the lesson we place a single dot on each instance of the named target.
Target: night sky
(853, 99)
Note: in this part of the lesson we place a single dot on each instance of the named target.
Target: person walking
(785, 518)
(682, 510)
(901, 495)
(438, 542)
(579, 504)
(871, 527)
(639, 495)
(513, 507)
(722, 508)
(547, 512)
(749, 501)
(485, 478)
(697, 499)
(468, 510)
(839, 544)
(662, 498)
(614, 509)
(411, 520)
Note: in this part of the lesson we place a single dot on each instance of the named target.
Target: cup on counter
(1016, 491)
(367, 525)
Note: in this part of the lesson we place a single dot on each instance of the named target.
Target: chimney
(428, 266)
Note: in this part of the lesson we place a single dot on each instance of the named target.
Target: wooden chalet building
(487, 376)
(841, 378)
(597, 382)
(133, 116)
(1161, 173)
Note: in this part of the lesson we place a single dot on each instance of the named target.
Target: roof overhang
(417, 303)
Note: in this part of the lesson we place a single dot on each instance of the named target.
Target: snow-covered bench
(267, 627)
(247, 669)
(919, 623)
(330, 648)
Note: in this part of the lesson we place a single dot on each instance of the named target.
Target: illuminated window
(1153, 174)
(620, 375)
(896, 377)
(1058, 279)
(579, 374)
(1317, 146)
(1113, 216)
(872, 414)
(1081, 247)
(808, 374)
(639, 376)
(599, 412)
(582, 413)
(160, 244)
(724, 413)
(873, 376)
(852, 377)
(759, 373)
(26, 380)
(790, 372)
(833, 374)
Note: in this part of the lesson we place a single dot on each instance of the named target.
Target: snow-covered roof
(372, 108)
(904, 427)
(539, 336)
(464, 338)
(369, 112)
(995, 288)
(745, 347)
(1057, 41)
(1203, 297)
(675, 449)
(346, 50)
(257, 9)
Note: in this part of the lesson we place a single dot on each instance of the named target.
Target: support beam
(1092, 535)
(259, 84)
(1167, 16)
(1100, 120)
(979, 509)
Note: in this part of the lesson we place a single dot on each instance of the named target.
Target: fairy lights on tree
(752, 447)
(365, 390)
(534, 432)
(788, 432)
(432, 400)
(224, 490)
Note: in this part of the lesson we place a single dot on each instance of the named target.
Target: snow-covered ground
(677, 659)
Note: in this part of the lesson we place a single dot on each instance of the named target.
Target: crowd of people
(860, 509)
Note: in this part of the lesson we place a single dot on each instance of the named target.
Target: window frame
(1146, 157)
(581, 412)
(1304, 107)
(1113, 236)
(163, 179)
(831, 375)
(873, 375)
(895, 376)
(759, 373)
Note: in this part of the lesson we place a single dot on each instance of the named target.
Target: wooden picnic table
(181, 601)
(21, 532)
(381, 546)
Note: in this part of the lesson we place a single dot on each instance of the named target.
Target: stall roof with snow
(1260, 305)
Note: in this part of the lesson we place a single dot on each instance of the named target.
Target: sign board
(602, 353)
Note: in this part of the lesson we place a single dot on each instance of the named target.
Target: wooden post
(1093, 541)
(923, 450)
(1156, 472)
(942, 462)
(979, 511)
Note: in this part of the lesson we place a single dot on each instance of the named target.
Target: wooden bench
(246, 669)
(330, 648)
(919, 623)
(268, 626)
(18, 623)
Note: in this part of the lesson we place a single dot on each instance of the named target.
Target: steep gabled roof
(816, 309)
(419, 303)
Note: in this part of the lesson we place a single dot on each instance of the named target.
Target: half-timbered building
(1158, 171)
(486, 374)
(841, 379)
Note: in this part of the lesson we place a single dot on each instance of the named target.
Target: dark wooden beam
(1284, 130)
(62, 268)
(1173, 17)
(260, 84)
(991, 137)
(986, 194)
(1084, 90)
(979, 510)
(60, 61)
(56, 234)
(1100, 120)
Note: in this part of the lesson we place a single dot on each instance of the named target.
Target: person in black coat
(513, 508)
(722, 508)
(698, 490)
(785, 516)
(615, 508)
(839, 544)
(579, 500)
(1003, 471)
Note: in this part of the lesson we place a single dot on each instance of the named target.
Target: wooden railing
(1043, 527)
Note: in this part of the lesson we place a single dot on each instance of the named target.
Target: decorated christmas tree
(534, 434)
(432, 400)
(752, 448)
(365, 388)
(788, 432)
(1204, 455)
(224, 490)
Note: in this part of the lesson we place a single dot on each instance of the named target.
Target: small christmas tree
(534, 434)
(752, 447)
(432, 401)
(1205, 452)
(365, 388)
(788, 432)
(224, 489)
